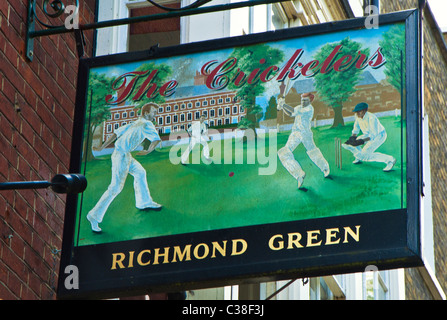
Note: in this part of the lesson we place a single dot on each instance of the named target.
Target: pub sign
(285, 154)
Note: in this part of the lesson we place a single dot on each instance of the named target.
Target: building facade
(177, 114)
(36, 120)
(431, 282)
(37, 101)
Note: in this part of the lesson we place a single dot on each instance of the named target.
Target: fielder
(301, 133)
(128, 138)
(199, 134)
(373, 136)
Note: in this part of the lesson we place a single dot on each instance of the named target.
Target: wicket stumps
(338, 156)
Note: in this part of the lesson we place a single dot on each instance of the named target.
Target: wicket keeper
(373, 136)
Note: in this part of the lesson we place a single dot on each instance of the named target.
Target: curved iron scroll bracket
(54, 9)
(58, 9)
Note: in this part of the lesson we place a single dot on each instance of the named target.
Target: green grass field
(201, 197)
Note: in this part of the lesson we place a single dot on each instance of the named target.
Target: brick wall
(36, 119)
(435, 95)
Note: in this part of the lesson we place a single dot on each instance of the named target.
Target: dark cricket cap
(360, 107)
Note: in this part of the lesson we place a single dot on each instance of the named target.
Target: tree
(97, 109)
(164, 72)
(393, 46)
(271, 112)
(335, 87)
(244, 124)
(257, 111)
(249, 59)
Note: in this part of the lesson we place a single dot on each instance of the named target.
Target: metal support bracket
(30, 26)
(52, 9)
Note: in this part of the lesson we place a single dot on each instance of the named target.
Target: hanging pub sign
(285, 154)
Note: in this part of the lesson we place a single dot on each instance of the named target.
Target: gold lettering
(139, 258)
(294, 239)
(272, 242)
(119, 261)
(313, 235)
(186, 252)
(234, 251)
(354, 235)
(205, 253)
(131, 259)
(332, 233)
(221, 250)
(157, 254)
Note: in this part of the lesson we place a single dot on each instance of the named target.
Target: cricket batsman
(373, 136)
(301, 133)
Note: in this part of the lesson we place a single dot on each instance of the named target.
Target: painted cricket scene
(294, 129)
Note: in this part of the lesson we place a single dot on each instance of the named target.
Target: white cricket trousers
(122, 165)
(367, 153)
(192, 143)
(289, 162)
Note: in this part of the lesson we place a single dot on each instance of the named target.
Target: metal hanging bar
(61, 183)
(196, 4)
